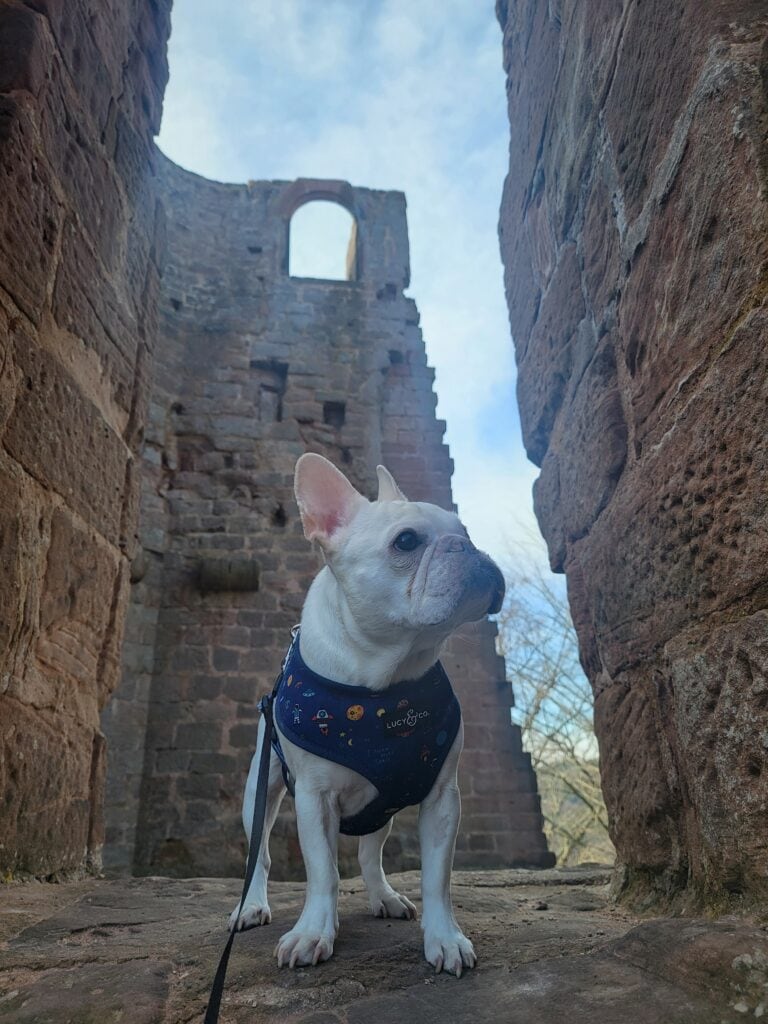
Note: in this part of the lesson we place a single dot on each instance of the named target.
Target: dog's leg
(311, 938)
(384, 901)
(256, 910)
(445, 945)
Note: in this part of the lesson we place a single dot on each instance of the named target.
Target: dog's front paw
(392, 904)
(450, 952)
(253, 915)
(303, 949)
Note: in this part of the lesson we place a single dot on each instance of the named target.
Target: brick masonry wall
(81, 87)
(255, 367)
(634, 230)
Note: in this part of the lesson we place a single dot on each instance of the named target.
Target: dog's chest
(397, 739)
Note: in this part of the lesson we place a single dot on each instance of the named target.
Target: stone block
(83, 460)
(198, 736)
(544, 367)
(204, 687)
(29, 211)
(226, 659)
(79, 630)
(198, 787)
(243, 736)
(45, 775)
(212, 764)
(172, 761)
(25, 49)
(85, 303)
(245, 689)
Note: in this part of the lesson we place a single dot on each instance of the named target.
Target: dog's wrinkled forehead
(385, 518)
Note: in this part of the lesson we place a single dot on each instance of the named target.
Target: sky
(384, 94)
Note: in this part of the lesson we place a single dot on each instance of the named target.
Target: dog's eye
(408, 540)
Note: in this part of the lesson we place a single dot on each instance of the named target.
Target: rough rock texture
(634, 231)
(253, 368)
(549, 948)
(81, 85)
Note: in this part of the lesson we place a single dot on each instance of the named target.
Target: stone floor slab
(551, 948)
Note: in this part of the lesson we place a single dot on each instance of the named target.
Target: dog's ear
(326, 499)
(388, 489)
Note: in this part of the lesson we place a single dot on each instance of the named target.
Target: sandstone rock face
(81, 85)
(634, 231)
(253, 368)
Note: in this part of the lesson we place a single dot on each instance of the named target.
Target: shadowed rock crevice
(80, 252)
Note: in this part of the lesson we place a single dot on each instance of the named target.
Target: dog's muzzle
(493, 579)
(499, 589)
(497, 600)
(484, 574)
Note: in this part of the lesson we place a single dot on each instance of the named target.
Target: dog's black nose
(499, 589)
(497, 600)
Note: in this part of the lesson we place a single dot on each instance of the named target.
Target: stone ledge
(551, 947)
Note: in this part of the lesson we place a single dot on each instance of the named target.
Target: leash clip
(268, 699)
(294, 636)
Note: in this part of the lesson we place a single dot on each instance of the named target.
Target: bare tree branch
(553, 707)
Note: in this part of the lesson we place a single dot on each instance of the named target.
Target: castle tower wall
(254, 368)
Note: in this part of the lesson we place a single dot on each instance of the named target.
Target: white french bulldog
(399, 577)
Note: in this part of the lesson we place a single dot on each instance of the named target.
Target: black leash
(254, 845)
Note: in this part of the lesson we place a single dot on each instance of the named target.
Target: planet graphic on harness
(355, 712)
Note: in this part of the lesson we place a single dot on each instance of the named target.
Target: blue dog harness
(397, 738)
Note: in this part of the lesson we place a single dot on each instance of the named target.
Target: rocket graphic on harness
(322, 718)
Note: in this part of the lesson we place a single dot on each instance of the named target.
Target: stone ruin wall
(634, 230)
(81, 86)
(255, 367)
(81, 255)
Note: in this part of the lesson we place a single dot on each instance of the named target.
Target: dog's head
(401, 564)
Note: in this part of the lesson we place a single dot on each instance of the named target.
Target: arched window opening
(322, 242)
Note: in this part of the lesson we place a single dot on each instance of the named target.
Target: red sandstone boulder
(634, 230)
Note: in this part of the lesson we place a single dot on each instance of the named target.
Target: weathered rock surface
(81, 85)
(550, 948)
(634, 231)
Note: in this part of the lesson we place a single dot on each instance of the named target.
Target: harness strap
(254, 845)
